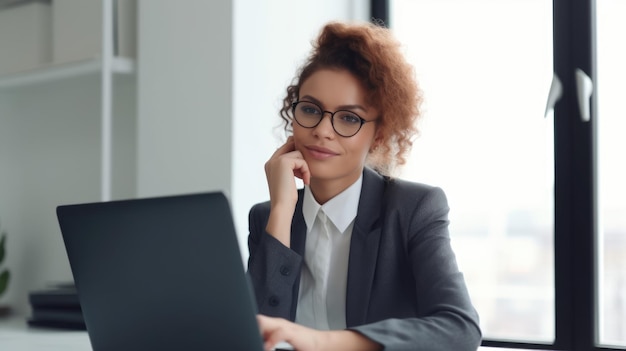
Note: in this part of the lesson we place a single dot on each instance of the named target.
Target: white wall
(184, 96)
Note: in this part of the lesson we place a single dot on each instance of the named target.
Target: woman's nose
(325, 127)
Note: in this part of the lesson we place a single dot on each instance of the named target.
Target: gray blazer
(404, 288)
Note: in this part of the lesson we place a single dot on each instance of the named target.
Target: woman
(356, 260)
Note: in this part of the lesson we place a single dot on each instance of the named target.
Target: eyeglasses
(309, 115)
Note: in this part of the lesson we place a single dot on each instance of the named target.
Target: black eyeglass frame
(332, 118)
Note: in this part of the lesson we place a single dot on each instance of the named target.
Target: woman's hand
(280, 170)
(275, 330)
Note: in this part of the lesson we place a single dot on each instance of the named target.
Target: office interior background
(188, 98)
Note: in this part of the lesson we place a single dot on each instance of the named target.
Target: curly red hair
(371, 53)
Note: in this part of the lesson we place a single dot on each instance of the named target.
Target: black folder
(56, 307)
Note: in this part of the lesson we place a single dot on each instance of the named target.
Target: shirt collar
(341, 209)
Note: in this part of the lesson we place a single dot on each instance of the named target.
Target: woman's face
(334, 159)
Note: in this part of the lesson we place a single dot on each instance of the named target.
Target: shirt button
(284, 270)
(274, 301)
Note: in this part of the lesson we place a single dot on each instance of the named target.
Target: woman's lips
(320, 152)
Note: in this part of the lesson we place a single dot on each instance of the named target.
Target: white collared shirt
(322, 297)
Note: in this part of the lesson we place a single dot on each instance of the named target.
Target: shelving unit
(54, 72)
(68, 134)
(106, 66)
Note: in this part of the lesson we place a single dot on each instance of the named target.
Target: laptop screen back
(160, 274)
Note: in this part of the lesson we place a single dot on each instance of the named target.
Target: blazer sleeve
(445, 318)
(273, 268)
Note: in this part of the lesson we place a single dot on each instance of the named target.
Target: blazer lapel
(364, 248)
(298, 241)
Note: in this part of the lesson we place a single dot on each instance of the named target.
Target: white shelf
(53, 72)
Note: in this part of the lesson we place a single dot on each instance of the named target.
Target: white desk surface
(16, 335)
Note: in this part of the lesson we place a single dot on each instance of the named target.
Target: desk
(16, 335)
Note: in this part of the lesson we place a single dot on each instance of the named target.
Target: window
(539, 230)
(611, 171)
(485, 141)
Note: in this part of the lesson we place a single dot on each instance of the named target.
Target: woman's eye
(350, 118)
(310, 110)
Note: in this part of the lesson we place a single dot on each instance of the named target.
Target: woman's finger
(302, 171)
(272, 331)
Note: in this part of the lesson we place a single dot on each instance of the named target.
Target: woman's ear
(378, 140)
(374, 146)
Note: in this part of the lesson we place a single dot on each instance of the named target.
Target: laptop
(162, 273)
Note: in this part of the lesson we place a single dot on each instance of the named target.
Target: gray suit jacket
(404, 288)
